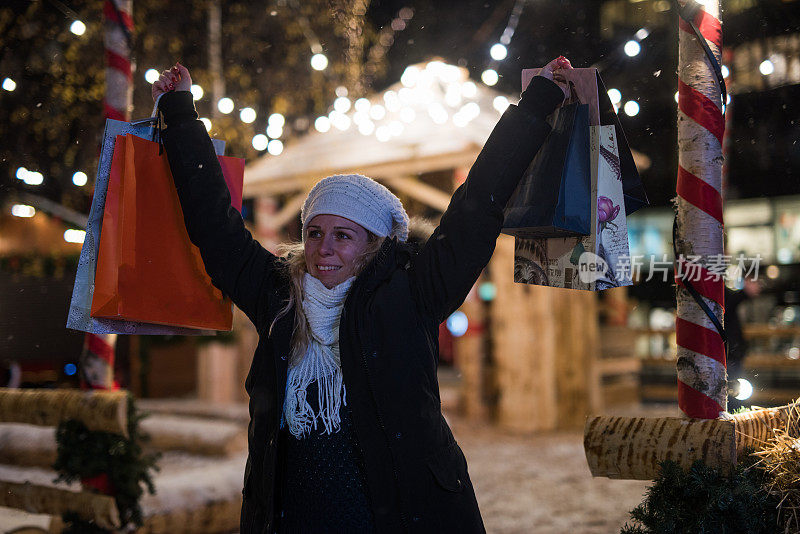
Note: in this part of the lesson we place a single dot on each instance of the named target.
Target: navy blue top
(323, 486)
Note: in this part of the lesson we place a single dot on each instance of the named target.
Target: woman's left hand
(554, 71)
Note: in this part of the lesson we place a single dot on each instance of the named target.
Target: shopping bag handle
(155, 121)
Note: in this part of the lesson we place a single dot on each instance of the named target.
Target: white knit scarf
(323, 309)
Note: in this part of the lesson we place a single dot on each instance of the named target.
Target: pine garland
(84, 454)
(704, 500)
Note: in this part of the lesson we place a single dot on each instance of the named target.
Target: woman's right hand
(175, 79)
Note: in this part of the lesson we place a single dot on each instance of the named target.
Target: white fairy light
(366, 127)
(260, 142)
(274, 131)
(277, 119)
(632, 48)
(340, 121)
(80, 178)
(275, 147)
(377, 112)
(745, 389)
(247, 115)
(500, 103)
(766, 68)
(206, 122)
(322, 124)
(452, 96)
(631, 108)
(342, 104)
(22, 210)
(410, 76)
(33, 178)
(362, 104)
(151, 76)
(225, 105)
(9, 84)
(498, 52)
(197, 92)
(614, 95)
(21, 173)
(74, 236)
(490, 77)
(77, 27)
(677, 96)
(319, 62)
(642, 33)
(725, 71)
(406, 95)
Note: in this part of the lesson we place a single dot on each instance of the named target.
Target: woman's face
(332, 245)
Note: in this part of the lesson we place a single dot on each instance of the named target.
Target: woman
(346, 432)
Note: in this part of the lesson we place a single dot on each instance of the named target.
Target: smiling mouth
(325, 268)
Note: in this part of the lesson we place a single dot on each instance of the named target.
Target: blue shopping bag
(553, 198)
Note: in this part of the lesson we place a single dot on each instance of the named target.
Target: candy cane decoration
(702, 378)
(118, 28)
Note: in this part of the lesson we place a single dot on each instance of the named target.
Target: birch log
(702, 379)
(101, 509)
(633, 447)
(102, 411)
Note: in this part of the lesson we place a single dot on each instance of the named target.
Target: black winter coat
(416, 474)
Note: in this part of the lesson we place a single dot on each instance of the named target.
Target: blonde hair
(295, 265)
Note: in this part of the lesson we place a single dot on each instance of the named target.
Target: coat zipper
(403, 517)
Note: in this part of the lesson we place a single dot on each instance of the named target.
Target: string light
(407, 115)
(77, 27)
(642, 33)
(276, 119)
(632, 48)
(725, 71)
(274, 130)
(80, 178)
(151, 76)
(22, 210)
(260, 142)
(766, 68)
(247, 115)
(377, 112)
(322, 124)
(500, 103)
(319, 62)
(9, 84)
(342, 104)
(383, 134)
(490, 77)
(207, 123)
(677, 96)
(362, 104)
(458, 324)
(275, 147)
(631, 108)
(30, 177)
(197, 92)
(74, 236)
(366, 127)
(225, 105)
(615, 96)
(498, 52)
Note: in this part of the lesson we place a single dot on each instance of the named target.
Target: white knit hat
(360, 199)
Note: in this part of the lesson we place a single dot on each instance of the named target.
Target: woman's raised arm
(452, 259)
(237, 264)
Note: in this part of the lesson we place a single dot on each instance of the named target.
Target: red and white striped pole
(97, 359)
(702, 377)
(118, 39)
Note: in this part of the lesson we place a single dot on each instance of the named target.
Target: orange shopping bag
(147, 269)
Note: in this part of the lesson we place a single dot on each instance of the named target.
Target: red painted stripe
(710, 27)
(112, 113)
(699, 339)
(120, 63)
(111, 15)
(695, 404)
(706, 283)
(701, 109)
(699, 193)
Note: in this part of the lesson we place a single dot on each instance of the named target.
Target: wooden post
(702, 379)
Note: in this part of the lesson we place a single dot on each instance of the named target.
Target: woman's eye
(342, 235)
(314, 233)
